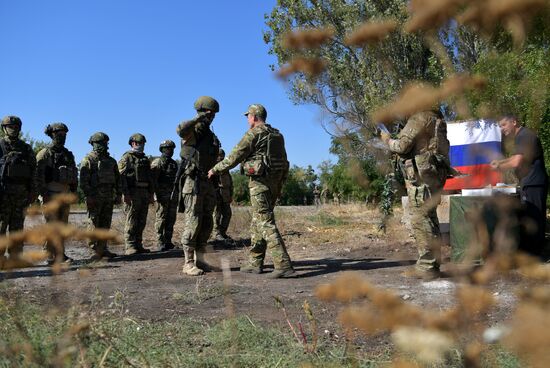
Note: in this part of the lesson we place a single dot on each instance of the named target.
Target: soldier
(316, 196)
(17, 185)
(100, 183)
(199, 149)
(164, 171)
(324, 195)
(56, 173)
(138, 191)
(224, 197)
(263, 156)
(423, 149)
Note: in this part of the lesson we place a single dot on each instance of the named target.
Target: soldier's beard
(12, 133)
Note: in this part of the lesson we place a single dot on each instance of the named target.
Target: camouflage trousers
(12, 212)
(265, 235)
(197, 218)
(222, 215)
(61, 215)
(100, 215)
(425, 225)
(166, 214)
(136, 217)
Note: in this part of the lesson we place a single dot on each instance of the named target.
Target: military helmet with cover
(167, 144)
(257, 110)
(55, 127)
(11, 120)
(138, 138)
(207, 103)
(98, 137)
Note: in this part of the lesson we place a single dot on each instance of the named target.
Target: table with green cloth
(463, 231)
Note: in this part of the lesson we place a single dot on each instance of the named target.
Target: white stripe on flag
(469, 132)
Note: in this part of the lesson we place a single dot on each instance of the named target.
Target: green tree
(241, 194)
(299, 185)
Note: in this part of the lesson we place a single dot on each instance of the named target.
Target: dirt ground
(322, 242)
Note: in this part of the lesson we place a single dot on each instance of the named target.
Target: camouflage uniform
(100, 183)
(56, 173)
(316, 196)
(164, 171)
(138, 189)
(265, 185)
(199, 150)
(224, 197)
(17, 186)
(424, 158)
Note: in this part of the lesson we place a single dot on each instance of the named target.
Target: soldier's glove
(151, 199)
(385, 137)
(127, 199)
(118, 199)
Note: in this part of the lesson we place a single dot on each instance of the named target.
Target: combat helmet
(207, 103)
(98, 137)
(166, 144)
(11, 120)
(137, 137)
(55, 127)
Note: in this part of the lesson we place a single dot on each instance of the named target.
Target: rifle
(176, 185)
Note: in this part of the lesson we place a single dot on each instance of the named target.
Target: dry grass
(307, 38)
(372, 32)
(311, 67)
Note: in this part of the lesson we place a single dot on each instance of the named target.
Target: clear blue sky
(126, 66)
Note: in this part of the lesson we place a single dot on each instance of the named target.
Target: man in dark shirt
(528, 164)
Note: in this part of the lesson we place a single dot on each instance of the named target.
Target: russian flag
(474, 144)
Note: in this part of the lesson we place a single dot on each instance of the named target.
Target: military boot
(189, 267)
(282, 273)
(248, 268)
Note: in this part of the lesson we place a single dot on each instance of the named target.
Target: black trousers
(533, 199)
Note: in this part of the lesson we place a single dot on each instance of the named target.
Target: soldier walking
(199, 150)
(100, 182)
(224, 197)
(164, 171)
(56, 173)
(17, 185)
(263, 156)
(423, 149)
(137, 190)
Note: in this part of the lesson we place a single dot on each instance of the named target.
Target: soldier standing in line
(164, 171)
(324, 195)
(56, 173)
(263, 156)
(224, 197)
(199, 150)
(423, 149)
(17, 185)
(100, 182)
(138, 192)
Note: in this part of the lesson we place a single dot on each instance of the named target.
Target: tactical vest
(200, 155)
(168, 170)
(138, 172)
(63, 169)
(102, 170)
(269, 157)
(15, 163)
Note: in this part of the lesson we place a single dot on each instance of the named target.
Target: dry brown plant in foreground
(54, 233)
(307, 38)
(430, 14)
(308, 66)
(371, 32)
(417, 97)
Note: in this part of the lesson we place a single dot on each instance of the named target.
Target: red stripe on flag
(479, 176)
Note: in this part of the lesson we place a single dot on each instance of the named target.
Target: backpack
(14, 165)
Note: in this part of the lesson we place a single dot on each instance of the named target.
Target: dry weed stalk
(417, 97)
(308, 66)
(307, 38)
(371, 32)
(431, 14)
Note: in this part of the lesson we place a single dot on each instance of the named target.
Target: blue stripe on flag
(474, 154)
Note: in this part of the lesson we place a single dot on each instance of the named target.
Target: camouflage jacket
(199, 147)
(252, 147)
(99, 172)
(135, 172)
(164, 170)
(21, 169)
(56, 170)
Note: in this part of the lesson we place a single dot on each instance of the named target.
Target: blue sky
(126, 66)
